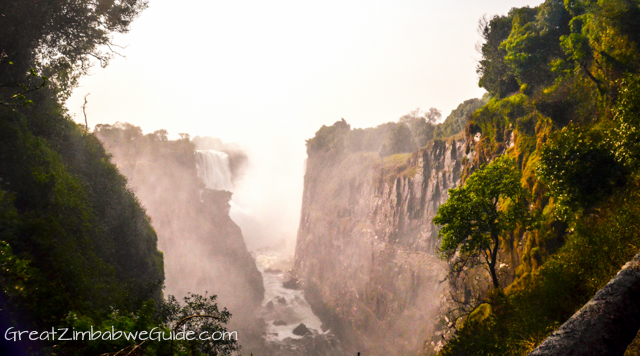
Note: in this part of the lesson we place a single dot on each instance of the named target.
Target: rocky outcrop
(606, 325)
(366, 247)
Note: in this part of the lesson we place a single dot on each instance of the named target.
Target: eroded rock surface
(366, 246)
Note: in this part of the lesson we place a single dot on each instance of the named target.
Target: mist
(256, 82)
(204, 250)
(268, 76)
(263, 162)
(265, 206)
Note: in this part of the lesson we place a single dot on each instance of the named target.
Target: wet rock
(298, 300)
(272, 270)
(301, 330)
(279, 323)
(281, 300)
(291, 283)
(309, 345)
(374, 228)
(324, 327)
(270, 305)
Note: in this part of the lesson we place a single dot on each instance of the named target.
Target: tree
(533, 43)
(200, 314)
(422, 124)
(58, 40)
(491, 202)
(399, 140)
(495, 75)
(572, 154)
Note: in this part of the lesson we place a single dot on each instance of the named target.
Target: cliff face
(204, 250)
(366, 247)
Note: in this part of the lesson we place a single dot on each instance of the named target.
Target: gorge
(101, 226)
(204, 249)
(366, 247)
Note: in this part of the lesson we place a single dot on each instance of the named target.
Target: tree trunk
(494, 260)
(606, 324)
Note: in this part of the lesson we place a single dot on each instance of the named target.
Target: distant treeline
(409, 133)
(121, 138)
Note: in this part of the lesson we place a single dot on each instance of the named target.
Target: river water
(284, 309)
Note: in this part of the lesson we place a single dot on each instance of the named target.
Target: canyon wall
(366, 248)
(204, 250)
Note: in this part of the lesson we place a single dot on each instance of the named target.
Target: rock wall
(366, 247)
(204, 250)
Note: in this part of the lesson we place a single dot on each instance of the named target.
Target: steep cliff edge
(204, 249)
(366, 246)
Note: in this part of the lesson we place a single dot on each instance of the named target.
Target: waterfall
(213, 168)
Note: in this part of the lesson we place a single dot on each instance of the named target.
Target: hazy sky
(268, 74)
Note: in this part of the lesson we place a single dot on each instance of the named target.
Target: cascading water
(291, 326)
(213, 168)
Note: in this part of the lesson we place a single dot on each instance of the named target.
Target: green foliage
(534, 42)
(201, 314)
(73, 238)
(579, 167)
(576, 46)
(422, 125)
(400, 140)
(412, 131)
(58, 39)
(387, 139)
(594, 40)
(491, 202)
(76, 238)
(329, 138)
(211, 321)
(496, 120)
(33, 82)
(480, 336)
(541, 301)
(457, 120)
(572, 99)
(627, 121)
(573, 127)
(495, 76)
(16, 273)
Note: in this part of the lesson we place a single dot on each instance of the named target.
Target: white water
(213, 168)
(296, 310)
(289, 306)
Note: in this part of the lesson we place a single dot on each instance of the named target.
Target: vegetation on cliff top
(411, 132)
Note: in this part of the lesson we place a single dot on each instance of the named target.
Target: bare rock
(301, 330)
(291, 283)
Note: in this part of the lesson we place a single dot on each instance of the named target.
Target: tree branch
(187, 318)
(84, 107)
